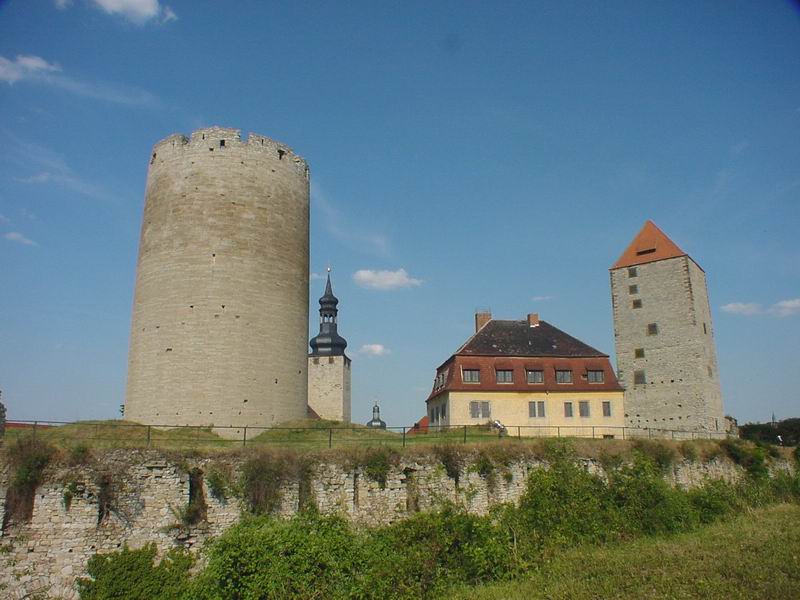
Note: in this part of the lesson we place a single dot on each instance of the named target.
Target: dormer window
(563, 376)
(471, 376)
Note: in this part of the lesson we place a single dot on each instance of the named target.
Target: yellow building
(533, 378)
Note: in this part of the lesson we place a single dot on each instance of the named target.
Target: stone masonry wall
(220, 315)
(681, 389)
(46, 555)
(329, 387)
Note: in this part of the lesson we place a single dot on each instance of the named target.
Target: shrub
(428, 552)
(452, 458)
(308, 556)
(661, 453)
(79, 454)
(70, 490)
(714, 500)
(377, 462)
(647, 503)
(689, 451)
(28, 458)
(751, 458)
(564, 504)
(218, 484)
(485, 467)
(131, 574)
(261, 480)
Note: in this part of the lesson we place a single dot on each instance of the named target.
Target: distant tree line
(788, 430)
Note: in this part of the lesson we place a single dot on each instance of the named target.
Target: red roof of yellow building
(649, 245)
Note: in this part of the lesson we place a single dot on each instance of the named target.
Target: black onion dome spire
(328, 342)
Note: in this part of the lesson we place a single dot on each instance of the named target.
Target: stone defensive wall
(135, 497)
(219, 332)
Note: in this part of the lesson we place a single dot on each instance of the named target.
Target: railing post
(465, 434)
(592, 431)
(558, 431)
(519, 432)
(673, 434)
(404, 436)
(148, 436)
(34, 429)
(623, 432)
(244, 436)
(330, 437)
(649, 434)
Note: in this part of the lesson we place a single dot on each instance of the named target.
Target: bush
(377, 462)
(308, 556)
(751, 458)
(131, 574)
(429, 552)
(714, 500)
(28, 458)
(452, 458)
(564, 504)
(647, 503)
(261, 480)
(662, 454)
(217, 484)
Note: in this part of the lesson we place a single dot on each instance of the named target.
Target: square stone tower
(666, 356)
(328, 366)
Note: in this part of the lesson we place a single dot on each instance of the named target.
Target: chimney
(482, 317)
(533, 319)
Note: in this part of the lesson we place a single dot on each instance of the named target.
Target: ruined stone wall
(681, 388)
(329, 387)
(220, 313)
(148, 490)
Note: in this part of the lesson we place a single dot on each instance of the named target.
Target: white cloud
(374, 350)
(35, 69)
(137, 11)
(4, 220)
(785, 308)
(314, 276)
(62, 4)
(16, 236)
(542, 298)
(25, 67)
(742, 308)
(385, 280)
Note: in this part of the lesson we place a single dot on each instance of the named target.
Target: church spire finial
(328, 342)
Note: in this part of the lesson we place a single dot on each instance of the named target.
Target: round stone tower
(220, 312)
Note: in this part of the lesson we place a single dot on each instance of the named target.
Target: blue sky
(502, 154)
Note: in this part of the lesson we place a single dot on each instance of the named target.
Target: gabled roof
(649, 245)
(518, 338)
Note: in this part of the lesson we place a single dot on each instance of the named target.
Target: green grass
(302, 435)
(756, 555)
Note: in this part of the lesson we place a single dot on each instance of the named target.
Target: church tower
(328, 366)
(666, 355)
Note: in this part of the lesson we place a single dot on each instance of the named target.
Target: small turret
(328, 342)
(376, 422)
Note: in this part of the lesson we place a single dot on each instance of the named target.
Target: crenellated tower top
(225, 139)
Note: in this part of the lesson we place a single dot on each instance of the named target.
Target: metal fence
(125, 434)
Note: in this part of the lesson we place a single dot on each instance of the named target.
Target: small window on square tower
(637, 303)
(222, 143)
(638, 353)
(705, 329)
(639, 378)
(633, 272)
(652, 329)
(633, 289)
